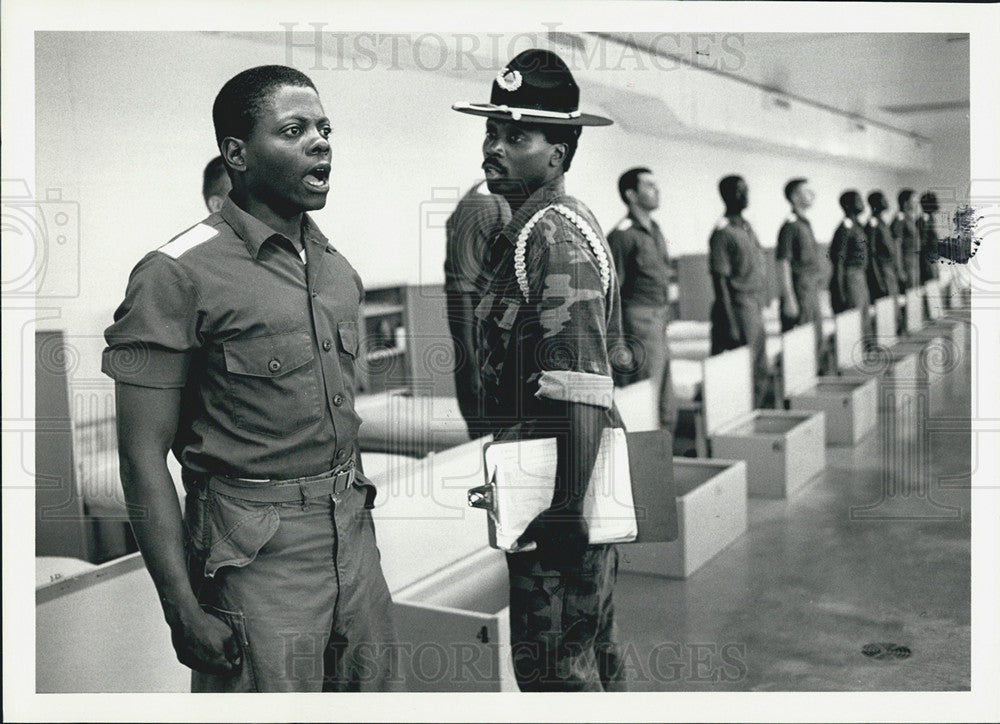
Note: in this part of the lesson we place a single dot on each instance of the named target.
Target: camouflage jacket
(556, 346)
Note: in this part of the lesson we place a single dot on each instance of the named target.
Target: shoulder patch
(624, 224)
(873, 222)
(900, 216)
(848, 223)
(722, 223)
(184, 242)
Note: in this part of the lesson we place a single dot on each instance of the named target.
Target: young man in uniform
(549, 323)
(736, 263)
(644, 276)
(799, 268)
(849, 260)
(904, 228)
(215, 184)
(478, 216)
(929, 268)
(882, 248)
(236, 347)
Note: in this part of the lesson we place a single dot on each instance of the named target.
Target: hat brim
(489, 110)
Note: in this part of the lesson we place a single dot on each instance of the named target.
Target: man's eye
(325, 132)
(293, 131)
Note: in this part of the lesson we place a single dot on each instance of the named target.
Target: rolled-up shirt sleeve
(572, 353)
(787, 246)
(156, 327)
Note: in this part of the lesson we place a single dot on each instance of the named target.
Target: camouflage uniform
(535, 357)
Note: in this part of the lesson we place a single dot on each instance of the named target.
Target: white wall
(123, 127)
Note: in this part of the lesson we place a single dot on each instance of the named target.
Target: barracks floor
(791, 605)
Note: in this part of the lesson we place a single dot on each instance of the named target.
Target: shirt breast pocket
(273, 389)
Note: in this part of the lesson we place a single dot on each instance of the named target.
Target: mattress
(399, 423)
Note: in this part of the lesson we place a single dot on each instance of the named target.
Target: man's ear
(629, 196)
(234, 152)
(558, 155)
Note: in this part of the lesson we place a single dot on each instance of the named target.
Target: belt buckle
(343, 481)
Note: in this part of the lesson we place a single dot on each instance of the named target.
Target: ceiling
(916, 82)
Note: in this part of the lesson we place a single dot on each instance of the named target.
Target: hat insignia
(509, 80)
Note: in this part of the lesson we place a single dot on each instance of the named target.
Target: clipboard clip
(482, 496)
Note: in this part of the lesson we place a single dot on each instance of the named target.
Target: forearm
(577, 449)
(156, 520)
(787, 290)
(722, 294)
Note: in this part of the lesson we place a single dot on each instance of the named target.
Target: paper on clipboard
(524, 473)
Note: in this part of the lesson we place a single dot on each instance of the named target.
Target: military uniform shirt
(478, 216)
(642, 262)
(735, 253)
(536, 355)
(849, 246)
(797, 244)
(262, 345)
(905, 230)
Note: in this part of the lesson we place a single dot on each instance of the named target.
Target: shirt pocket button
(274, 365)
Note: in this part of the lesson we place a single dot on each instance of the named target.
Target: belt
(333, 482)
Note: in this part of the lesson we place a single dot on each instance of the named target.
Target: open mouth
(318, 178)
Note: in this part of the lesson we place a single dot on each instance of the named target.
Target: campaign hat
(536, 86)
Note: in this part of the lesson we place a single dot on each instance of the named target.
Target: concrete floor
(875, 550)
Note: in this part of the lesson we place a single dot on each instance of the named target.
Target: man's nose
(319, 144)
(493, 146)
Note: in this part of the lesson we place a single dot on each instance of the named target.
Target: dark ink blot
(963, 243)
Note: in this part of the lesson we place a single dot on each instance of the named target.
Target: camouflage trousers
(562, 622)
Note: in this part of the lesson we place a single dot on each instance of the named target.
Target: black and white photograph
(415, 351)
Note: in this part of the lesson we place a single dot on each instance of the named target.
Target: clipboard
(653, 505)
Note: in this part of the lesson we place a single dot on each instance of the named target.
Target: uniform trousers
(750, 331)
(300, 584)
(646, 335)
(562, 622)
(810, 312)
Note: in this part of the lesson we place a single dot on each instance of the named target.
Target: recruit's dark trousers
(853, 295)
(646, 335)
(468, 388)
(750, 331)
(295, 573)
(562, 622)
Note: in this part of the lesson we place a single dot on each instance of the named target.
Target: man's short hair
(929, 202)
(847, 201)
(629, 181)
(874, 195)
(904, 196)
(570, 135)
(727, 186)
(792, 186)
(243, 97)
(211, 183)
